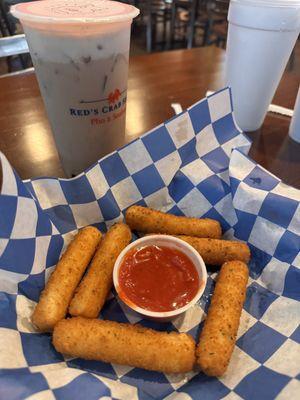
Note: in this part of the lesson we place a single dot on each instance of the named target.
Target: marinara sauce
(158, 278)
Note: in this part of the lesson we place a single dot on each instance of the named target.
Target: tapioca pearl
(73, 63)
(86, 59)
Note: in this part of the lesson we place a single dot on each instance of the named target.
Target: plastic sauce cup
(171, 242)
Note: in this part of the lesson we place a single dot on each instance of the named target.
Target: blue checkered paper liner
(195, 164)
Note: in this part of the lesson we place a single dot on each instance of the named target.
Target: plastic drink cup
(80, 51)
(294, 130)
(261, 37)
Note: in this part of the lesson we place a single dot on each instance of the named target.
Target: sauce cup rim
(187, 249)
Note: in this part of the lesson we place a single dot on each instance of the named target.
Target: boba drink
(80, 54)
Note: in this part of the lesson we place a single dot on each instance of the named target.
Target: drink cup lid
(74, 11)
(270, 3)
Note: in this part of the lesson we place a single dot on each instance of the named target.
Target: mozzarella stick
(126, 344)
(217, 252)
(96, 284)
(218, 336)
(152, 221)
(59, 290)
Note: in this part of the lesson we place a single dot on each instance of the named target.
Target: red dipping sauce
(158, 278)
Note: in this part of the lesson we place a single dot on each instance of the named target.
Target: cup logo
(114, 97)
(102, 110)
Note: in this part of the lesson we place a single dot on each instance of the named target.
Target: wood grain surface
(155, 81)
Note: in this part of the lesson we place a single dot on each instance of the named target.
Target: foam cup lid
(270, 3)
(74, 11)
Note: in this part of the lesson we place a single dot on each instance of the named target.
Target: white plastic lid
(270, 15)
(269, 3)
(74, 11)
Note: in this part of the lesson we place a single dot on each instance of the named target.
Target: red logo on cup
(113, 97)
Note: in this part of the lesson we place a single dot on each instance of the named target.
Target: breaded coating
(60, 288)
(218, 336)
(126, 344)
(96, 284)
(152, 221)
(216, 251)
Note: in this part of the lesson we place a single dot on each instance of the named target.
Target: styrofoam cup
(294, 130)
(80, 53)
(261, 37)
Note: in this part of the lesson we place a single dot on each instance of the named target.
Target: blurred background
(161, 26)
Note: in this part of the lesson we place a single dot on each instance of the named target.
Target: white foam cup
(261, 37)
(294, 130)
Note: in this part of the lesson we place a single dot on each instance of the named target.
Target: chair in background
(155, 15)
(13, 48)
(15, 45)
(5, 26)
(217, 22)
(182, 25)
(8, 21)
(195, 21)
(199, 25)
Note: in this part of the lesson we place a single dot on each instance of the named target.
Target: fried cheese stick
(59, 290)
(96, 284)
(152, 221)
(216, 251)
(217, 339)
(126, 344)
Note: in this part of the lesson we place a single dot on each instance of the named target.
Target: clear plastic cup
(294, 130)
(80, 52)
(261, 37)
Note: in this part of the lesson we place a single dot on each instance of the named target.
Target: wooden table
(155, 81)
